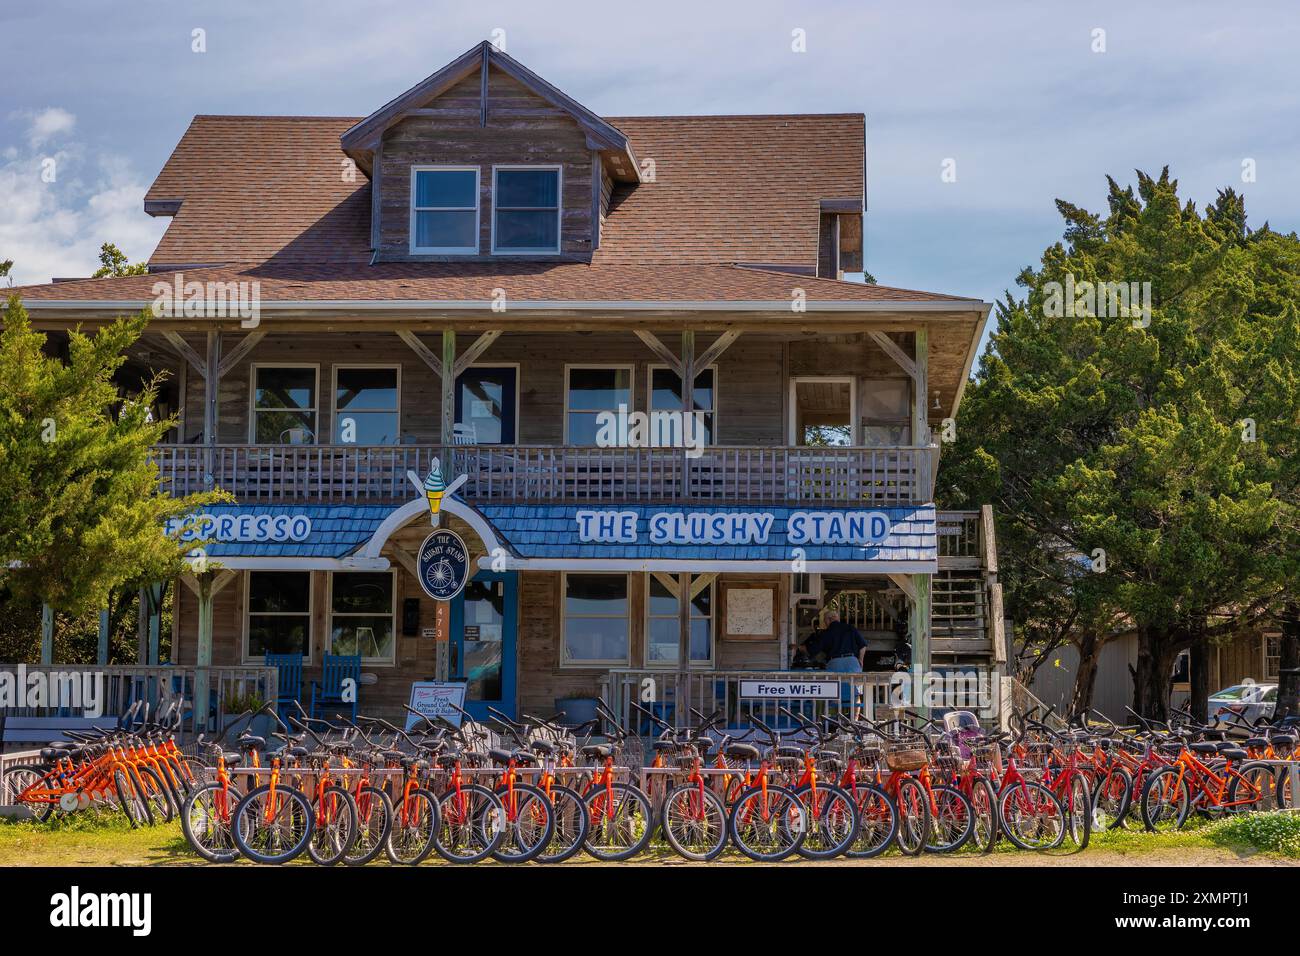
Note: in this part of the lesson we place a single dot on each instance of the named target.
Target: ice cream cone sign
(435, 489)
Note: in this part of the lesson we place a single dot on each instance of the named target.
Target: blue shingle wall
(336, 531)
(551, 531)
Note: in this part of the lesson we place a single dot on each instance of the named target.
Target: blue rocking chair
(288, 683)
(327, 693)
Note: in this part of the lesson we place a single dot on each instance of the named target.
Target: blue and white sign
(241, 527)
(443, 565)
(860, 528)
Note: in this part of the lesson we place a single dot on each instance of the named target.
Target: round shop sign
(443, 565)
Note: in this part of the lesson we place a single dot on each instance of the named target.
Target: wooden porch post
(154, 594)
(683, 708)
(211, 379)
(448, 399)
(921, 417)
(47, 634)
(205, 585)
(918, 625)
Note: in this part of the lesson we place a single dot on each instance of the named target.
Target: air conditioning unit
(806, 587)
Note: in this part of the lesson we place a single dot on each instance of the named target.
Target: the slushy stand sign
(862, 528)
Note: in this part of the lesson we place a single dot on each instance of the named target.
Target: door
(484, 619)
(823, 411)
(487, 404)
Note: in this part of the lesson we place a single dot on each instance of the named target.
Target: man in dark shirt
(842, 645)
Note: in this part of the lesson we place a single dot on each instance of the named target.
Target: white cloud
(55, 228)
(50, 123)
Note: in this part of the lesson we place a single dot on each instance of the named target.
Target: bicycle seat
(665, 745)
(340, 746)
(788, 750)
(1233, 753)
(298, 751)
(704, 744)
(598, 751)
(1260, 742)
(249, 742)
(414, 763)
(1206, 747)
(542, 747)
(742, 751)
(232, 758)
(53, 753)
(1170, 749)
(1283, 740)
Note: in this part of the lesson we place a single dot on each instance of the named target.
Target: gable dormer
(485, 160)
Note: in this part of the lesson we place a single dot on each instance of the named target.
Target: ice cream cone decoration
(435, 488)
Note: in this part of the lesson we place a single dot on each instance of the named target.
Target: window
(526, 204)
(663, 627)
(592, 391)
(487, 405)
(361, 614)
(444, 210)
(886, 412)
(666, 396)
(1272, 656)
(366, 406)
(279, 614)
(595, 620)
(284, 405)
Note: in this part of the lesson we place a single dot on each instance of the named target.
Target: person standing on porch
(841, 643)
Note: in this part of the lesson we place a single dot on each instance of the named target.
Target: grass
(89, 839)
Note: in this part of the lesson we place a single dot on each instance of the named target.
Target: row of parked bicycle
(535, 789)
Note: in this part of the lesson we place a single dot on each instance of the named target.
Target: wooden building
(483, 271)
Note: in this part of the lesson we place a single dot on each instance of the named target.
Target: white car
(1250, 701)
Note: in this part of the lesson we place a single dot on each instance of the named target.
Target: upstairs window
(526, 200)
(444, 210)
(284, 405)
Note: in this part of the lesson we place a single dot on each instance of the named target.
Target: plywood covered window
(526, 204)
(444, 210)
(886, 408)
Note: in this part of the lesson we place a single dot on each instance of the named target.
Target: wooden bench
(43, 730)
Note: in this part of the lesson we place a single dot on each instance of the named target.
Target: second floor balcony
(377, 474)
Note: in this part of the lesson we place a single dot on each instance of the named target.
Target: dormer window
(444, 210)
(526, 209)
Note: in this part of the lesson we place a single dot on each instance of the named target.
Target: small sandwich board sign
(790, 689)
(434, 698)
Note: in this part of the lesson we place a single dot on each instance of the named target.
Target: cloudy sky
(1020, 96)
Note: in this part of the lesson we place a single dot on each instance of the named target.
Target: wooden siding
(522, 128)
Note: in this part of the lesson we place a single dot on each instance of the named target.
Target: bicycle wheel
(570, 826)
(1031, 816)
(952, 819)
(770, 825)
(913, 809)
(336, 826)
(206, 822)
(877, 822)
(1166, 800)
(530, 829)
(129, 800)
(984, 812)
(694, 822)
(1079, 809)
(1252, 786)
(415, 829)
(471, 824)
(19, 778)
(157, 798)
(273, 828)
(374, 822)
(832, 821)
(1112, 799)
(619, 821)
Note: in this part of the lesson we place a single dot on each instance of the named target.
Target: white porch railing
(671, 695)
(121, 685)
